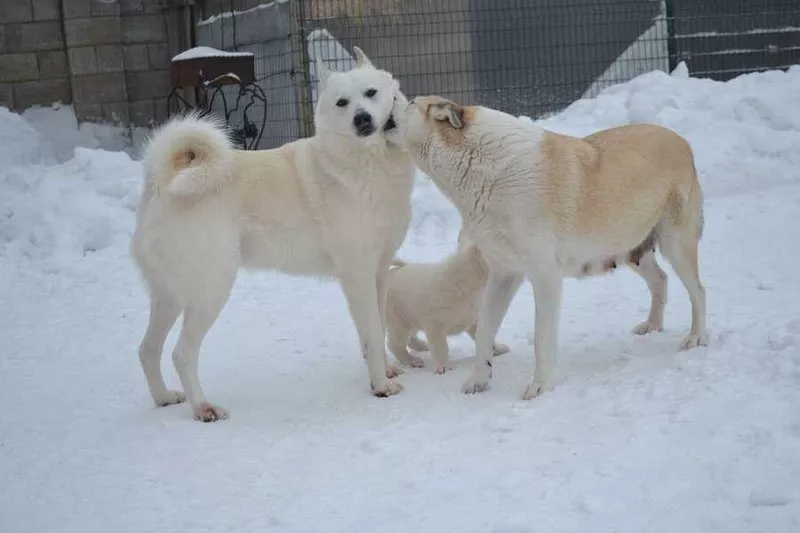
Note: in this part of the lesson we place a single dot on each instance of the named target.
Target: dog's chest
(379, 209)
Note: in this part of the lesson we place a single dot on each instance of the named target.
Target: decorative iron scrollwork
(249, 129)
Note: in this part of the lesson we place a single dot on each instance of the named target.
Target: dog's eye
(370, 93)
(342, 102)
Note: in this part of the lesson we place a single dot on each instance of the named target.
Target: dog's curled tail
(189, 156)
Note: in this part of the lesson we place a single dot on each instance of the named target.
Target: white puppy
(337, 205)
(546, 206)
(439, 299)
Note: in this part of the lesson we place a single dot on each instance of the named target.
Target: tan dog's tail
(696, 206)
(189, 156)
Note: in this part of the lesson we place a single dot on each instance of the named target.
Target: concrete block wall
(93, 34)
(33, 62)
(109, 58)
(146, 54)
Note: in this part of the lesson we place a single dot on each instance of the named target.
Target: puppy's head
(359, 102)
(434, 119)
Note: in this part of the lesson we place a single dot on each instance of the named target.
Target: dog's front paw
(393, 371)
(171, 397)
(500, 349)
(387, 388)
(647, 327)
(205, 412)
(477, 382)
(694, 340)
(536, 388)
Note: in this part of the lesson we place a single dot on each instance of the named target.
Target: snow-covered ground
(635, 438)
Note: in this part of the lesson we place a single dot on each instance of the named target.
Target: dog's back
(614, 190)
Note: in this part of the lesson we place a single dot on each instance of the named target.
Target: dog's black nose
(363, 123)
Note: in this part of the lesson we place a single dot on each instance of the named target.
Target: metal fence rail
(525, 57)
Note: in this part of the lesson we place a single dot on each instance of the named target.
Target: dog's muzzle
(363, 124)
(390, 124)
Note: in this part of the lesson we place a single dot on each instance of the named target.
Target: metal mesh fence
(525, 57)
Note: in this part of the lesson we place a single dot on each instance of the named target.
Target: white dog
(546, 206)
(337, 205)
(440, 299)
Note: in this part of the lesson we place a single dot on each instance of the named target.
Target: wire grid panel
(520, 56)
(264, 29)
(722, 39)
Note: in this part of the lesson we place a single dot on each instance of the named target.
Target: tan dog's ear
(361, 58)
(448, 111)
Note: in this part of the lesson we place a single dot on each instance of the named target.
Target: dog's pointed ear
(323, 72)
(361, 58)
(450, 112)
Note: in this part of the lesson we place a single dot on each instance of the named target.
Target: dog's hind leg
(656, 280)
(500, 290)
(199, 315)
(681, 252)
(678, 238)
(164, 311)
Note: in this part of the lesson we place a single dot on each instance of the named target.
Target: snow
(635, 437)
(757, 31)
(206, 51)
(229, 14)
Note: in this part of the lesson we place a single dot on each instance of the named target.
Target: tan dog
(547, 206)
(440, 299)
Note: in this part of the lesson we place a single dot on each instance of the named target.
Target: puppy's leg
(415, 343)
(441, 351)
(164, 311)
(360, 290)
(398, 334)
(547, 287)
(399, 349)
(681, 252)
(198, 317)
(656, 280)
(500, 290)
(382, 286)
(497, 349)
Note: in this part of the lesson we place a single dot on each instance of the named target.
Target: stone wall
(109, 58)
(33, 58)
(147, 52)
